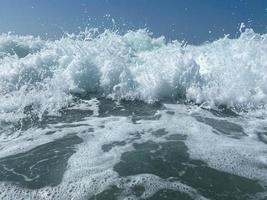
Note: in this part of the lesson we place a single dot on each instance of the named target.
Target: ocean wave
(44, 76)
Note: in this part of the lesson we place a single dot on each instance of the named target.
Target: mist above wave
(44, 76)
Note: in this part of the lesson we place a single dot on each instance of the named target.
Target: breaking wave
(44, 76)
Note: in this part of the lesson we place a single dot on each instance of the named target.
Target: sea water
(130, 116)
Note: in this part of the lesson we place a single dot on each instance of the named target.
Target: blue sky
(193, 20)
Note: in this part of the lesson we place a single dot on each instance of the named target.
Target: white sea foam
(90, 170)
(44, 74)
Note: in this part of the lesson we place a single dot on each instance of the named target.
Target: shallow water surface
(137, 151)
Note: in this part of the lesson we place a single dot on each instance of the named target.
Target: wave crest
(45, 74)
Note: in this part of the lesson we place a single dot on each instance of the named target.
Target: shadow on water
(135, 109)
(41, 166)
(107, 107)
(223, 111)
(223, 126)
(170, 160)
(262, 136)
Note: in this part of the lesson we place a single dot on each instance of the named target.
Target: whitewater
(84, 116)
